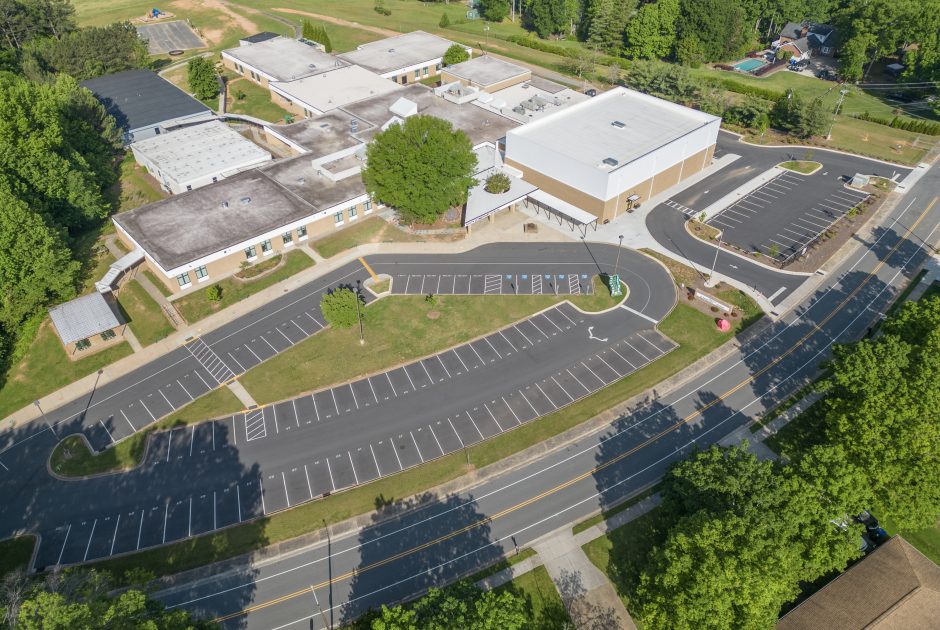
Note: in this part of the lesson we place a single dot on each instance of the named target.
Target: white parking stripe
(283, 335)
(307, 475)
(128, 421)
(184, 389)
(315, 320)
(461, 360)
(474, 425)
(637, 351)
(529, 403)
(551, 322)
(482, 362)
(238, 498)
(330, 470)
(353, 466)
(88, 546)
(395, 450)
(375, 459)
(293, 403)
(335, 406)
(562, 313)
(441, 361)
(390, 384)
(511, 410)
(435, 439)
(487, 340)
(261, 337)
(501, 429)
(237, 362)
(148, 410)
(416, 446)
(264, 510)
(537, 328)
(529, 341)
(300, 328)
(792, 240)
(106, 431)
(64, 542)
(562, 388)
(546, 395)
(286, 495)
(313, 398)
(430, 380)
(253, 353)
(114, 538)
(140, 530)
(374, 395)
(614, 350)
(593, 372)
(404, 369)
(577, 379)
(353, 395)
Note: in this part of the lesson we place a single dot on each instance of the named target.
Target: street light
(711, 276)
(46, 420)
(615, 290)
(362, 340)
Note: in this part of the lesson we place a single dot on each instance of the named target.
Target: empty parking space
(786, 214)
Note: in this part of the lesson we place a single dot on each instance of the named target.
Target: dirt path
(229, 18)
(340, 21)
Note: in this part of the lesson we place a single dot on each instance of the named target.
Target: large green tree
(719, 25)
(871, 29)
(551, 17)
(24, 20)
(651, 34)
(86, 53)
(881, 409)
(461, 605)
(494, 10)
(604, 23)
(420, 167)
(746, 534)
(202, 78)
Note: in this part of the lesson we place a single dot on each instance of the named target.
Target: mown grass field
(143, 314)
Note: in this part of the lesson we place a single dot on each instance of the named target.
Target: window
(215, 179)
(301, 232)
(404, 79)
(426, 71)
(288, 238)
(183, 280)
(367, 206)
(189, 187)
(437, 67)
(251, 252)
(266, 247)
(338, 218)
(202, 273)
(352, 212)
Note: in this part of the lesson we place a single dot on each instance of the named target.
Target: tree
(89, 52)
(494, 10)
(24, 20)
(455, 54)
(444, 21)
(202, 77)
(746, 534)
(497, 183)
(461, 605)
(881, 409)
(719, 26)
(421, 168)
(665, 80)
(317, 33)
(606, 20)
(551, 17)
(813, 119)
(689, 51)
(651, 34)
(341, 307)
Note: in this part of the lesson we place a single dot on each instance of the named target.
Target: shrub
(82, 344)
(339, 307)
(907, 124)
(455, 54)
(108, 335)
(497, 183)
(381, 9)
(445, 21)
(214, 293)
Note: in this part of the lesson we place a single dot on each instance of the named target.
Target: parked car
(875, 533)
(590, 92)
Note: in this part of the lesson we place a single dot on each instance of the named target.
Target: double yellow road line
(593, 471)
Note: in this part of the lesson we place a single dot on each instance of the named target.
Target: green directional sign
(615, 289)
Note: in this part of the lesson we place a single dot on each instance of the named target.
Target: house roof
(801, 44)
(140, 98)
(401, 51)
(200, 151)
(335, 88)
(895, 587)
(792, 30)
(487, 70)
(85, 317)
(285, 59)
(257, 38)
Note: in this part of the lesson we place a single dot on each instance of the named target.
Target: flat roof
(486, 70)
(325, 134)
(285, 59)
(481, 203)
(400, 51)
(257, 38)
(195, 224)
(140, 98)
(336, 88)
(480, 125)
(84, 317)
(530, 100)
(197, 151)
(620, 124)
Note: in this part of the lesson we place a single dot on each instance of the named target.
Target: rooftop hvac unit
(353, 125)
(618, 124)
(609, 161)
(224, 204)
(245, 200)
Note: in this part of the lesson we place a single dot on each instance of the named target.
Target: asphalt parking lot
(786, 214)
(351, 457)
(166, 36)
(494, 284)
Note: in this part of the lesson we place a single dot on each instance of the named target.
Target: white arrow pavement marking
(732, 266)
(591, 334)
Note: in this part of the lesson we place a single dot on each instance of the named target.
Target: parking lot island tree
(420, 168)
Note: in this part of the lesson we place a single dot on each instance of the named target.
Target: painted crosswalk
(219, 370)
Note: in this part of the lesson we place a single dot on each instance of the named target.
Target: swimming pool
(749, 65)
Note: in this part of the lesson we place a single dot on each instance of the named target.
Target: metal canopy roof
(84, 317)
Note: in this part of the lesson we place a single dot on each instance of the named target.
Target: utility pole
(842, 94)
(46, 420)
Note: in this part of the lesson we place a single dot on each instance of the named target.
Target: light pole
(45, 419)
(615, 290)
(362, 340)
(832, 123)
(617, 262)
(711, 276)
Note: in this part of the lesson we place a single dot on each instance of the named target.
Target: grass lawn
(196, 305)
(162, 288)
(622, 552)
(256, 101)
(135, 187)
(694, 331)
(143, 314)
(45, 368)
(868, 138)
(343, 38)
(15, 553)
(800, 166)
(545, 609)
(926, 540)
(372, 230)
(397, 329)
(620, 507)
(95, 266)
(71, 457)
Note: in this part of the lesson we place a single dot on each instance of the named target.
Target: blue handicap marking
(509, 276)
(584, 276)
(561, 276)
(548, 276)
(525, 276)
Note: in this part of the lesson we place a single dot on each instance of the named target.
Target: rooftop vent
(354, 125)
(224, 204)
(618, 124)
(324, 125)
(301, 180)
(609, 161)
(312, 66)
(391, 50)
(245, 200)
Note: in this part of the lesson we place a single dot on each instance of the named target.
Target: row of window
(287, 238)
(420, 73)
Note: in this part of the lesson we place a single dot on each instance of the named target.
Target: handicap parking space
(786, 214)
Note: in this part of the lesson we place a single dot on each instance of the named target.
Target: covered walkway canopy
(562, 210)
(481, 204)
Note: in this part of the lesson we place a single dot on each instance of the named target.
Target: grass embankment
(15, 553)
(694, 331)
(544, 606)
(46, 367)
(135, 187)
(801, 166)
(372, 230)
(397, 329)
(197, 305)
(71, 457)
(162, 288)
(143, 314)
(617, 509)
